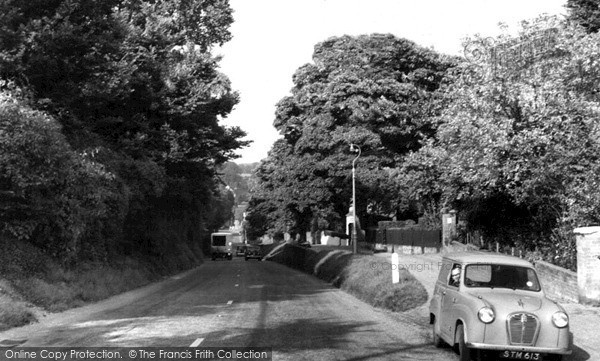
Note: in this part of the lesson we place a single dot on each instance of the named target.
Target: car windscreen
(219, 240)
(501, 276)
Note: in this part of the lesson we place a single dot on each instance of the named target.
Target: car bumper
(485, 346)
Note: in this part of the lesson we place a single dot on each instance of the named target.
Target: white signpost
(395, 268)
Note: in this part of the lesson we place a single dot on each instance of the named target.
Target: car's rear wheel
(463, 351)
(437, 341)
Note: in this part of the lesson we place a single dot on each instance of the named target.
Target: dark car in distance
(240, 250)
(253, 251)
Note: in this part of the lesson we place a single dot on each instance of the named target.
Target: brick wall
(559, 284)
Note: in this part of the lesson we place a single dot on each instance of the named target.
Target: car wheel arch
(458, 322)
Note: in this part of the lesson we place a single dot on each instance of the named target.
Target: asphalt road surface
(242, 304)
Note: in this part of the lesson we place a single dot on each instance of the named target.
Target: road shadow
(578, 354)
(173, 313)
(301, 334)
(304, 338)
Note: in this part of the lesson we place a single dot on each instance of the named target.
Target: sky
(273, 38)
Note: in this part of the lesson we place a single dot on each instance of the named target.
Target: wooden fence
(413, 237)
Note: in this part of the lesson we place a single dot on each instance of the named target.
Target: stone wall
(411, 249)
(559, 284)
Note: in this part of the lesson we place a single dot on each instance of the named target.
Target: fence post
(512, 251)
(497, 247)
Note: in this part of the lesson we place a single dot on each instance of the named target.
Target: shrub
(14, 313)
(54, 297)
(52, 193)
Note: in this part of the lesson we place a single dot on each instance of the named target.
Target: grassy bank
(359, 275)
(32, 283)
(13, 311)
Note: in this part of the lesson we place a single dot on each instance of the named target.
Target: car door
(448, 301)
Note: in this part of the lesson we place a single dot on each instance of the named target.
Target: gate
(424, 239)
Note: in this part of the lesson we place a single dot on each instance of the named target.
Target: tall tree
(377, 91)
(520, 136)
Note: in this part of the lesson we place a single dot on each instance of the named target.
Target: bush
(51, 193)
(54, 297)
(14, 313)
(62, 289)
(32, 277)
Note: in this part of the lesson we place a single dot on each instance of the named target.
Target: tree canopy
(376, 91)
(585, 13)
(517, 147)
(136, 91)
(508, 136)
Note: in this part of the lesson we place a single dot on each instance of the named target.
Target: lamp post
(354, 148)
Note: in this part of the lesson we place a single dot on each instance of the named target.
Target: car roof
(486, 257)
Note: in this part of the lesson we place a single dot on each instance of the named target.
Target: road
(237, 304)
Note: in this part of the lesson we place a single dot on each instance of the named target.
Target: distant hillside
(248, 168)
(237, 177)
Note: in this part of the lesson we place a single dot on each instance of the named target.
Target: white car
(493, 306)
